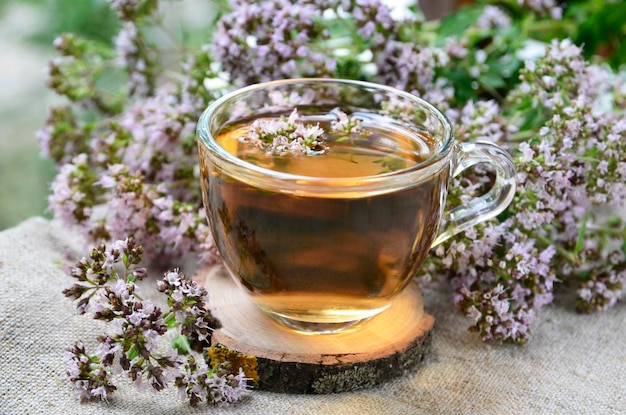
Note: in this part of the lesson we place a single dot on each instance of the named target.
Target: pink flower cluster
(574, 163)
(261, 41)
(285, 135)
(106, 287)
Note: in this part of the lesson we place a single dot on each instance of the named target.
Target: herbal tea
(326, 258)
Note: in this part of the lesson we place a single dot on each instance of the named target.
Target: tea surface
(379, 147)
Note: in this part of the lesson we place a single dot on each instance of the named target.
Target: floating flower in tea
(345, 124)
(280, 136)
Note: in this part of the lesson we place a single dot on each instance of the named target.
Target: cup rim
(434, 163)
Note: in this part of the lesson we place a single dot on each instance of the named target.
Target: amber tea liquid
(326, 258)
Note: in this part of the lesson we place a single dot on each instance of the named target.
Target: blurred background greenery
(27, 29)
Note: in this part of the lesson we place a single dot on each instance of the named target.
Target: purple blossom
(493, 17)
(456, 48)
(136, 326)
(263, 41)
(483, 121)
(158, 125)
(411, 67)
(69, 201)
(126, 10)
(373, 21)
(198, 383)
(85, 375)
(188, 303)
(547, 8)
(601, 291)
(150, 213)
(133, 54)
(285, 136)
(345, 124)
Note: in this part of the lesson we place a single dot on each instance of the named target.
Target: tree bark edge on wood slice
(375, 351)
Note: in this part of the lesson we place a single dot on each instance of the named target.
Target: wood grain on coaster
(372, 352)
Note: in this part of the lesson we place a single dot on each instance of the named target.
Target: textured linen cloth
(574, 364)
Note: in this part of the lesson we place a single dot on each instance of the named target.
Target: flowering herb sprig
(126, 152)
(345, 124)
(292, 136)
(286, 135)
(107, 288)
(186, 300)
(503, 272)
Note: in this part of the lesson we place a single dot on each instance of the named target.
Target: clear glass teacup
(324, 196)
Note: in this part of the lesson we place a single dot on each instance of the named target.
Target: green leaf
(454, 24)
(602, 32)
(170, 320)
(491, 80)
(71, 16)
(507, 66)
(460, 78)
(350, 68)
(592, 152)
(581, 235)
(181, 344)
(132, 353)
(534, 118)
(614, 221)
(148, 7)
(619, 56)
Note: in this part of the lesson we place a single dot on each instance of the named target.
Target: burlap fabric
(574, 364)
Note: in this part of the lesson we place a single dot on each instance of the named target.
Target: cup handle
(491, 203)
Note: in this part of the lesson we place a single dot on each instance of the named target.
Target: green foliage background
(24, 174)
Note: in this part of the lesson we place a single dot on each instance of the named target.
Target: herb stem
(567, 255)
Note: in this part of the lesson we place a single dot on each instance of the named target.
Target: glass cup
(323, 241)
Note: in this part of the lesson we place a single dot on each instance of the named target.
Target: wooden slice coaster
(368, 354)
